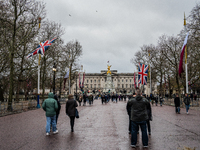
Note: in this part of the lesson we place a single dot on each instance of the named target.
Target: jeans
(187, 107)
(177, 109)
(51, 120)
(160, 103)
(72, 118)
(134, 129)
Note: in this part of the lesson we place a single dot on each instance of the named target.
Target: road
(100, 127)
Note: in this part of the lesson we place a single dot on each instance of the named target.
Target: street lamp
(54, 71)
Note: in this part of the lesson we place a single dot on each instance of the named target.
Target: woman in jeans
(71, 105)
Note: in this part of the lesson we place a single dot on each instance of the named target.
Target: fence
(22, 105)
(193, 103)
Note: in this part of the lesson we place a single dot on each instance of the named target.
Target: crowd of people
(138, 108)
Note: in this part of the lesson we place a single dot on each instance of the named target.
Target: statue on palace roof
(109, 69)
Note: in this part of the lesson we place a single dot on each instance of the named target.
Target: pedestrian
(177, 104)
(156, 100)
(187, 103)
(139, 117)
(90, 98)
(50, 106)
(160, 99)
(84, 99)
(71, 105)
(80, 100)
(149, 117)
(59, 107)
(128, 108)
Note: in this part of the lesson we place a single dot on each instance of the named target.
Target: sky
(114, 30)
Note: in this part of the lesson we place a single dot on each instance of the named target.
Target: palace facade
(123, 83)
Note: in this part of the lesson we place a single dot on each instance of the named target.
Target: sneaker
(145, 146)
(47, 134)
(133, 145)
(55, 132)
(187, 113)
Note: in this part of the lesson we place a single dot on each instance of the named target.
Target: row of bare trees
(20, 34)
(165, 56)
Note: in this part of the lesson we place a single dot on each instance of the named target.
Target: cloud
(116, 29)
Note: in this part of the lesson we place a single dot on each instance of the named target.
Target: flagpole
(39, 58)
(150, 73)
(186, 71)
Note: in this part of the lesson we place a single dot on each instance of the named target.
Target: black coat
(138, 108)
(149, 111)
(71, 105)
(177, 101)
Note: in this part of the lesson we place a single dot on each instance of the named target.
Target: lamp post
(39, 58)
(54, 71)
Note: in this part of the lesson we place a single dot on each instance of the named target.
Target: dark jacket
(187, 101)
(71, 105)
(177, 101)
(149, 111)
(138, 108)
(59, 106)
(50, 105)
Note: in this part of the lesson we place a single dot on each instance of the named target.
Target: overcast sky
(114, 30)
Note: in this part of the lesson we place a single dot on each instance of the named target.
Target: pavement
(100, 127)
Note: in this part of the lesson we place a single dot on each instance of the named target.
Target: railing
(22, 105)
(193, 103)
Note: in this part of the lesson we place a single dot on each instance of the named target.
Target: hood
(138, 98)
(51, 95)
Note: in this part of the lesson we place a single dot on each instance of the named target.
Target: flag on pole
(142, 74)
(42, 48)
(65, 78)
(180, 70)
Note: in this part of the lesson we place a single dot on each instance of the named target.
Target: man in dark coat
(128, 108)
(177, 104)
(71, 105)
(59, 107)
(138, 118)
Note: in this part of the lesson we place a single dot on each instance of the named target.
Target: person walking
(128, 109)
(84, 99)
(71, 105)
(90, 99)
(160, 99)
(177, 104)
(80, 100)
(139, 117)
(149, 117)
(187, 103)
(50, 106)
(59, 107)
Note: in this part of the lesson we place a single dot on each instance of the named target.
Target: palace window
(122, 86)
(91, 81)
(91, 85)
(87, 81)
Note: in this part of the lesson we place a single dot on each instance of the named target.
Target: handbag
(76, 114)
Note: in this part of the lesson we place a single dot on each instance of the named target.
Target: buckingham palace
(122, 82)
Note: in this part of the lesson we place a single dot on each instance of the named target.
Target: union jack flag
(42, 48)
(142, 73)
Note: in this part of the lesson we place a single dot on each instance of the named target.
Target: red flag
(180, 70)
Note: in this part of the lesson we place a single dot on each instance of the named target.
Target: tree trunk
(11, 55)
